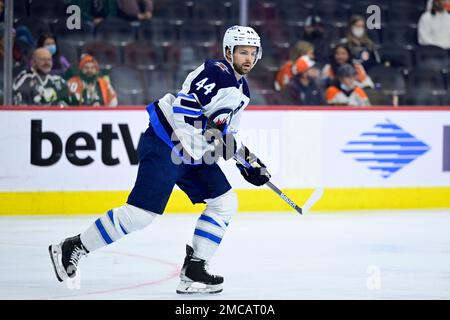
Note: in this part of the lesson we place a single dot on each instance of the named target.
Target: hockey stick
(310, 202)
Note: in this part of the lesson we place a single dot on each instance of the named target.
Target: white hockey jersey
(209, 92)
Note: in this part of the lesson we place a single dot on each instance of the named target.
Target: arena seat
(294, 13)
(198, 33)
(214, 14)
(128, 83)
(20, 8)
(106, 53)
(336, 15)
(426, 81)
(47, 9)
(77, 37)
(116, 31)
(399, 34)
(388, 80)
(157, 83)
(141, 55)
(405, 15)
(69, 51)
(433, 58)
(36, 25)
(396, 56)
(158, 32)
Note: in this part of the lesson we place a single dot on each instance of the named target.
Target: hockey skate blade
(190, 287)
(55, 254)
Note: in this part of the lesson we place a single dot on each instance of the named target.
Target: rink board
(95, 202)
(84, 160)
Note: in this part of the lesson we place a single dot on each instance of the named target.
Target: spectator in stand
(301, 60)
(314, 33)
(360, 45)
(342, 55)
(60, 63)
(37, 86)
(19, 56)
(303, 90)
(89, 88)
(96, 10)
(446, 5)
(434, 26)
(22, 33)
(344, 91)
(135, 10)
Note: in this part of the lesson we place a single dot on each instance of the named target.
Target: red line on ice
(174, 272)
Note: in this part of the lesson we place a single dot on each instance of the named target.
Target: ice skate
(65, 257)
(194, 277)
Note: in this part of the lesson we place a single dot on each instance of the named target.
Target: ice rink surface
(355, 255)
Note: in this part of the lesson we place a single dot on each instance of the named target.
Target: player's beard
(240, 69)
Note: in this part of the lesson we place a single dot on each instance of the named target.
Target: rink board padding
(255, 200)
(84, 160)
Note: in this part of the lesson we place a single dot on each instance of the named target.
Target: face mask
(347, 88)
(51, 48)
(358, 31)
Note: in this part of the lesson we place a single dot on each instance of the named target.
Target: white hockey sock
(114, 225)
(212, 224)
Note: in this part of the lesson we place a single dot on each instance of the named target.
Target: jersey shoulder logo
(222, 67)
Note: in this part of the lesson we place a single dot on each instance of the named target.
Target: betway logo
(80, 141)
(386, 148)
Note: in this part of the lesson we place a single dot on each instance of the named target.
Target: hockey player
(184, 134)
